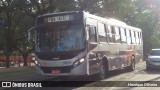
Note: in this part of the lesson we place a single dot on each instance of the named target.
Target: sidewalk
(16, 69)
(26, 73)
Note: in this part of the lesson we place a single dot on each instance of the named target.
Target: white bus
(78, 43)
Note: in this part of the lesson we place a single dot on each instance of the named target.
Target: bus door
(92, 48)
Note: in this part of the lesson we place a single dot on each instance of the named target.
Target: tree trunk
(25, 60)
(7, 61)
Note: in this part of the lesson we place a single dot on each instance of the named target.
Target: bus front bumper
(62, 71)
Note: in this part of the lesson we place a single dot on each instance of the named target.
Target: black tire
(103, 71)
(147, 68)
(133, 65)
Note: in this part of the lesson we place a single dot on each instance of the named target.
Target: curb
(16, 69)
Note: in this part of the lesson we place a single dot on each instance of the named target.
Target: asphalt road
(120, 80)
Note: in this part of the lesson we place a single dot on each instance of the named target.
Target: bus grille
(65, 69)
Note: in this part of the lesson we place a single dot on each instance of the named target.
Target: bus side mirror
(31, 35)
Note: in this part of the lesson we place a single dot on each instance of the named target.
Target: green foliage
(93, 6)
(14, 29)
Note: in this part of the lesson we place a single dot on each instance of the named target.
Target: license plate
(56, 71)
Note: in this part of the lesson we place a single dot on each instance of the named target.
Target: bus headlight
(78, 62)
(33, 58)
(37, 63)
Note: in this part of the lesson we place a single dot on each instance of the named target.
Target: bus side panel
(115, 58)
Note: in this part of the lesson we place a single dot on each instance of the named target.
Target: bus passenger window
(101, 32)
(128, 36)
(108, 31)
(117, 35)
(113, 34)
(123, 35)
(140, 38)
(137, 37)
(110, 34)
(133, 37)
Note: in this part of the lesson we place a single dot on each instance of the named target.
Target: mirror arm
(29, 34)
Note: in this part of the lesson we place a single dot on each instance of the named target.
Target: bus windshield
(60, 38)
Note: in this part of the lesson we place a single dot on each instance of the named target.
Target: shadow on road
(93, 78)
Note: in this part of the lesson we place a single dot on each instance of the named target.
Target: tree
(13, 16)
(22, 45)
(34, 8)
(92, 6)
(149, 23)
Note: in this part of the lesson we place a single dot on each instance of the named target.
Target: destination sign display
(58, 18)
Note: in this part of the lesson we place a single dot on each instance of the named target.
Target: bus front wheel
(103, 71)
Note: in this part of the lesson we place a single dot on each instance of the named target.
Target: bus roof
(56, 13)
(109, 21)
(113, 22)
